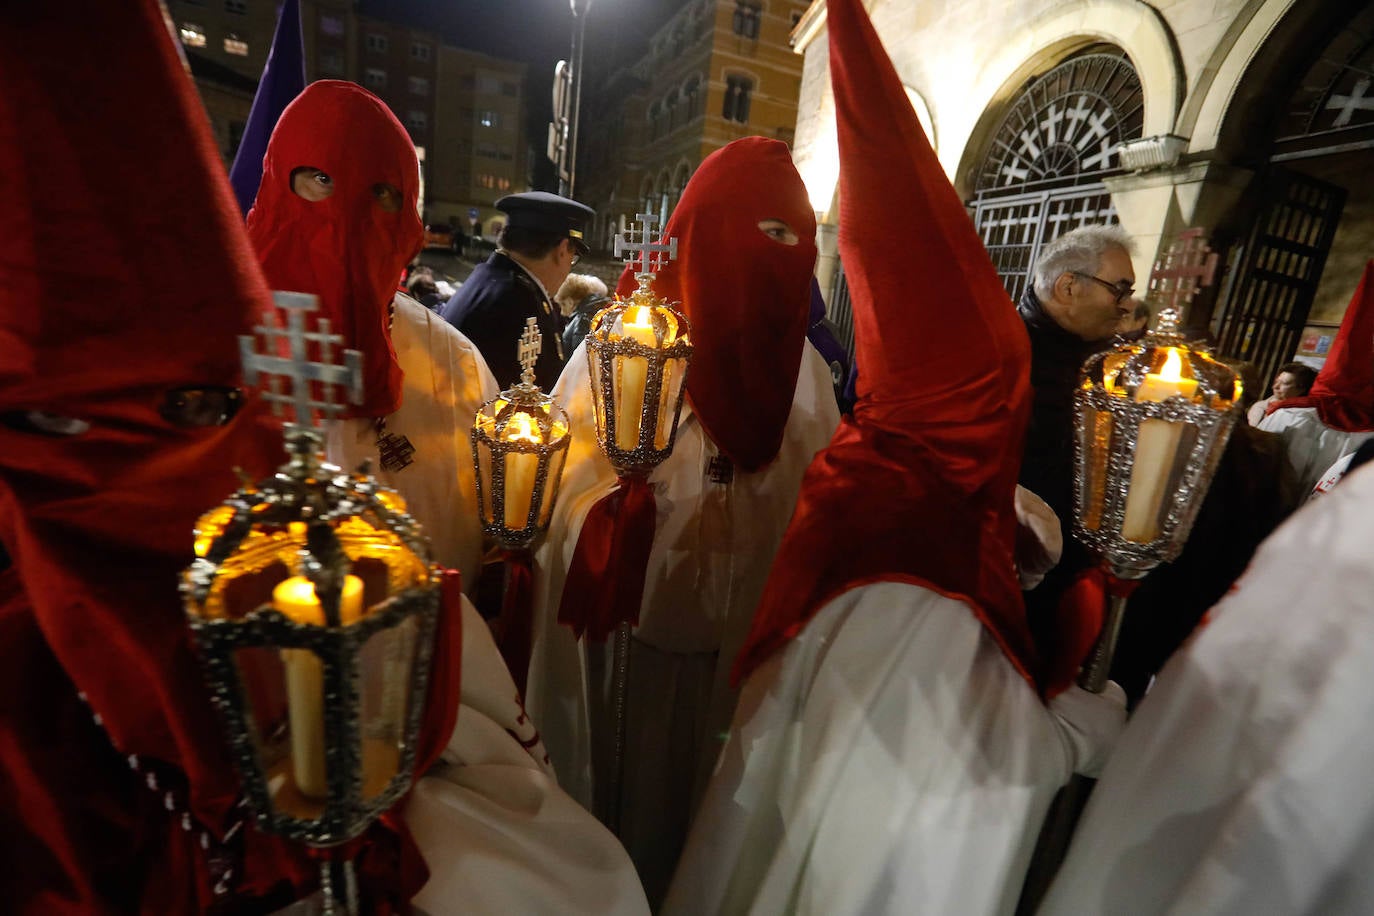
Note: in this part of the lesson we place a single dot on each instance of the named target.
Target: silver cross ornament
(651, 256)
(297, 367)
(531, 345)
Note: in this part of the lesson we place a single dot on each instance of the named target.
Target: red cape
(918, 486)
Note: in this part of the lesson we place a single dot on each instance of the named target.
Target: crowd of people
(849, 680)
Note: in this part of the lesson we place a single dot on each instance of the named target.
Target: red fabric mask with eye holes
(345, 249)
(747, 295)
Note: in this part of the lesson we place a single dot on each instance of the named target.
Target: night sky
(538, 32)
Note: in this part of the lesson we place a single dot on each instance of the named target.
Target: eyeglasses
(1120, 290)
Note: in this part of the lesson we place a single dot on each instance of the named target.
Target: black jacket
(490, 309)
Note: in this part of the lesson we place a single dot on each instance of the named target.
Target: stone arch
(1135, 28)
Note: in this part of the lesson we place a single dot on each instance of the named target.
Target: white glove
(1039, 542)
(1089, 724)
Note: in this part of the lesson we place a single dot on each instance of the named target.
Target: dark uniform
(491, 306)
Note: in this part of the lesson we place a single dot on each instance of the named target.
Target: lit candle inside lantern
(637, 325)
(295, 598)
(1156, 447)
(521, 470)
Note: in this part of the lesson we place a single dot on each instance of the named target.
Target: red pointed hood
(345, 249)
(126, 272)
(919, 486)
(746, 294)
(1344, 390)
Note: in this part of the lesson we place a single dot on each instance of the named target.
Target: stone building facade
(716, 71)
(1252, 119)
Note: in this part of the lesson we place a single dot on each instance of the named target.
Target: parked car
(439, 235)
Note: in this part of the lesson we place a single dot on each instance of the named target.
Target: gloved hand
(1089, 724)
(1039, 542)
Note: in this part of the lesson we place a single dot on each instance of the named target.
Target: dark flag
(282, 80)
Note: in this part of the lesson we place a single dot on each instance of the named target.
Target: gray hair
(1079, 251)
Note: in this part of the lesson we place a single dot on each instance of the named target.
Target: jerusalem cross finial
(297, 368)
(531, 345)
(651, 256)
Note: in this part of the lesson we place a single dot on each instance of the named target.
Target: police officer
(540, 243)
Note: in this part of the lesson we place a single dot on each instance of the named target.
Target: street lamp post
(580, 9)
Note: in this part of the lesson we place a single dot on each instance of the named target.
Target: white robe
(889, 759)
(1310, 444)
(498, 834)
(1242, 784)
(446, 381)
(713, 546)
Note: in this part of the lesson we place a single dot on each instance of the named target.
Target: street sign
(472, 212)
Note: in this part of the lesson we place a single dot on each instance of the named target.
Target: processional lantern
(638, 351)
(1152, 419)
(313, 602)
(519, 445)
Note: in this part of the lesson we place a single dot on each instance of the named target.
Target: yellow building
(718, 70)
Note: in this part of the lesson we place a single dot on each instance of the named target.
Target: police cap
(549, 213)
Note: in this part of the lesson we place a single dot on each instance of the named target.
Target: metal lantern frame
(602, 352)
(307, 490)
(1108, 419)
(552, 449)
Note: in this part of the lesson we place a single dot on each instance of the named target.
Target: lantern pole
(1137, 487)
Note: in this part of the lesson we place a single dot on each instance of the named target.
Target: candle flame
(642, 318)
(522, 428)
(1173, 367)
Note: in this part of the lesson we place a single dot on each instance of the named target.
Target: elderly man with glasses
(1081, 290)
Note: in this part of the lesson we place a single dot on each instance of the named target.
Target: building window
(655, 115)
(489, 118)
(417, 121)
(489, 84)
(235, 45)
(495, 182)
(692, 94)
(737, 92)
(419, 50)
(747, 17)
(332, 26)
(492, 151)
(192, 36)
(377, 44)
(510, 89)
(419, 85)
(374, 78)
(331, 61)
(237, 7)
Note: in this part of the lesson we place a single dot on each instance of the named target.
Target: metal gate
(1015, 228)
(1276, 271)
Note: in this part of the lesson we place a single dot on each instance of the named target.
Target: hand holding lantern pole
(313, 603)
(520, 442)
(638, 352)
(1152, 419)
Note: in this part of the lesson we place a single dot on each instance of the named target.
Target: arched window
(747, 18)
(1043, 170)
(737, 92)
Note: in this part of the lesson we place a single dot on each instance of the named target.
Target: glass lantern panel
(521, 471)
(1095, 441)
(598, 401)
(674, 372)
(246, 578)
(631, 375)
(1161, 455)
(484, 481)
(283, 693)
(551, 482)
(386, 665)
(361, 539)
